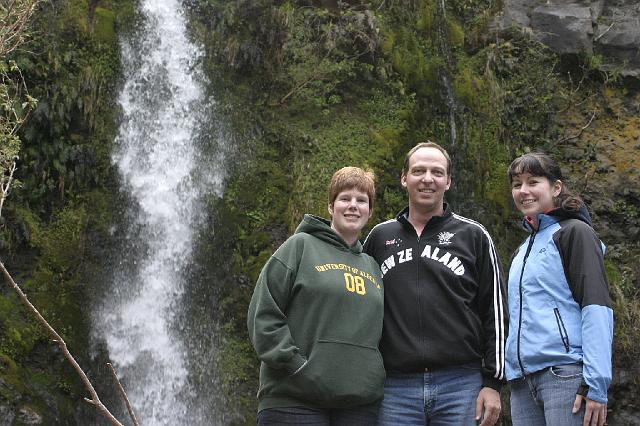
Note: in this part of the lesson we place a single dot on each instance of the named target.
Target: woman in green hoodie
(315, 317)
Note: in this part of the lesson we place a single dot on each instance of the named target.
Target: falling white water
(162, 105)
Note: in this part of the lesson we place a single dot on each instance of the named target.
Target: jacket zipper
(524, 262)
(563, 331)
(422, 334)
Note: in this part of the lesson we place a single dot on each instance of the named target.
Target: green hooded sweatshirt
(315, 320)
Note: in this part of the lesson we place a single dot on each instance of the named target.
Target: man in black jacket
(445, 316)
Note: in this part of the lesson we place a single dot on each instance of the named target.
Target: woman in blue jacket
(558, 358)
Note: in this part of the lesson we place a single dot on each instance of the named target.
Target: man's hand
(488, 406)
(595, 413)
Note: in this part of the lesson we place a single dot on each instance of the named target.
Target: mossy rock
(11, 386)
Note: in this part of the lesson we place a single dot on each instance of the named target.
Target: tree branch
(95, 400)
(604, 32)
(315, 76)
(577, 135)
(124, 395)
(5, 187)
(14, 19)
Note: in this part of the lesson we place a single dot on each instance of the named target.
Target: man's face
(426, 180)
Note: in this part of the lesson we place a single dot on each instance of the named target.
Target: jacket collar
(403, 218)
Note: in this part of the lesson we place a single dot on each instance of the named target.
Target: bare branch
(13, 19)
(124, 395)
(315, 76)
(95, 400)
(604, 32)
(577, 135)
(6, 186)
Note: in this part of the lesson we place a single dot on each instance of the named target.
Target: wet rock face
(6, 414)
(621, 40)
(28, 416)
(564, 28)
(626, 397)
(610, 28)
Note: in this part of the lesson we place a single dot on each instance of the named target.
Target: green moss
(29, 224)
(388, 42)
(104, 25)
(426, 16)
(75, 13)
(467, 87)
(627, 315)
(238, 366)
(10, 376)
(455, 33)
(19, 333)
(62, 241)
(414, 62)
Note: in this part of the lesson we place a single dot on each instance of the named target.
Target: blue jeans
(546, 397)
(358, 416)
(444, 397)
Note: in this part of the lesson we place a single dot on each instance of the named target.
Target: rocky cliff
(607, 28)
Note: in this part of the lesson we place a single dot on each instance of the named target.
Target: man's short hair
(427, 144)
(352, 177)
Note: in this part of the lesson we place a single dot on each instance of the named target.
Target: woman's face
(350, 213)
(534, 194)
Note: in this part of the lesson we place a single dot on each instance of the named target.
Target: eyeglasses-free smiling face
(426, 180)
(350, 212)
(534, 194)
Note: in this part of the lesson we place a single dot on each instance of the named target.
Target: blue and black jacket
(559, 307)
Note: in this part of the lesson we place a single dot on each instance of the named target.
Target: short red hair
(352, 177)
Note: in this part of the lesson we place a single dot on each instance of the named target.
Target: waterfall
(445, 76)
(163, 108)
(461, 193)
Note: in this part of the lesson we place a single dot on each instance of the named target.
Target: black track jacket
(444, 295)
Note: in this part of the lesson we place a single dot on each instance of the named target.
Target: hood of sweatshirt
(556, 215)
(321, 229)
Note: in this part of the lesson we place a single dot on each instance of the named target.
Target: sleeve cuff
(492, 382)
(583, 389)
(587, 392)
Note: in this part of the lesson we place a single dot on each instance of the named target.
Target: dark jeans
(359, 416)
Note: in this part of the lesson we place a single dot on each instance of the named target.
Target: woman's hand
(595, 413)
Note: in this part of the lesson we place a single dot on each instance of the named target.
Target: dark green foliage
(55, 218)
(68, 139)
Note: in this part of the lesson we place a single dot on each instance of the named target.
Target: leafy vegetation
(306, 86)
(59, 206)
